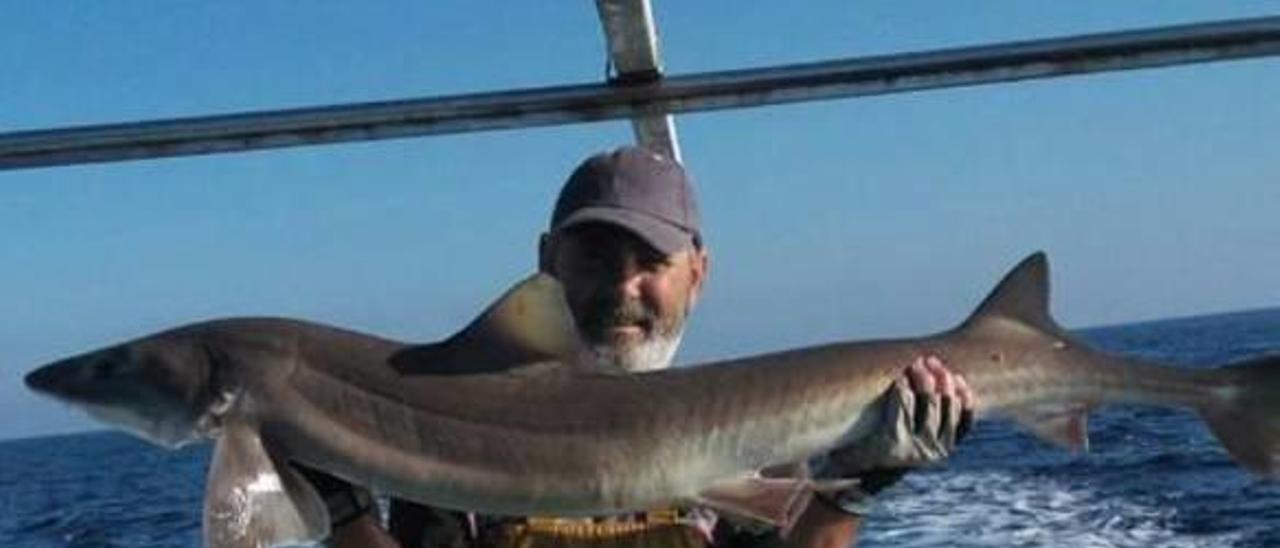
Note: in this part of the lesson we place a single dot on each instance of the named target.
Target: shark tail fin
(1246, 416)
(1021, 296)
(530, 323)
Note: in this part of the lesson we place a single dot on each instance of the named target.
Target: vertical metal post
(632, 38)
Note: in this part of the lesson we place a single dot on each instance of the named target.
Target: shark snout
(54, 379)
(43, 379)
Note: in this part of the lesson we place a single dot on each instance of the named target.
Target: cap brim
(663, 236)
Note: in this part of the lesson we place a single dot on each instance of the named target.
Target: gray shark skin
(498, 420)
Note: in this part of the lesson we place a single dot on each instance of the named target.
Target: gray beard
(649, 355)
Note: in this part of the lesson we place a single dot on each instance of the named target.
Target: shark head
(157, 388)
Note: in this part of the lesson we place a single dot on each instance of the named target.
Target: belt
(662, 527)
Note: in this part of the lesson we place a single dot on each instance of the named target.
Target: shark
(500, 418)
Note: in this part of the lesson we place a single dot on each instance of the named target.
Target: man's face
(628, 299)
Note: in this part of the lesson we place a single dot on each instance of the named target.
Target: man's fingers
(942, 378)
(929, 419)
(968, 401)
(944, 406)
(902, 408)
(953, 388)
(951, 414)
(931, 382)
(950, 421)
(966, 423)
(920, 377)
(926, 412)
(920, 387)
(967, 398)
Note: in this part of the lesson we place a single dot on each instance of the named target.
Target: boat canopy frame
(637, 89)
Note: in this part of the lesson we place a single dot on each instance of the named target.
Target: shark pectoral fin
(530, 324)
(796, 470)
(1064, 426)
(776, 501)
(254, 500)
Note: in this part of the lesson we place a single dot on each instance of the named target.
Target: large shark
(498, 419)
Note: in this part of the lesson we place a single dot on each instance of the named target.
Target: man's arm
(364, 531)
(352, 514)
(826, 525)
(925, 413)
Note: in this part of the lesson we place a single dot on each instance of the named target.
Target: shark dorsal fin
(532, 319)
(1022, 295)
(530, 323)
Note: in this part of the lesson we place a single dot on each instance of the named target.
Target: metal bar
(585, 103)
(657, 132)
(632, 36)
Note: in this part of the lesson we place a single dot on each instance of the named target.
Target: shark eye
(112, 364)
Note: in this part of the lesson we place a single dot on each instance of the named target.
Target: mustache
(611, 312)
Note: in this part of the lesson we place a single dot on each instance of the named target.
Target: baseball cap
(636, 189)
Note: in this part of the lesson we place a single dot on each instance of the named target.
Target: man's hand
(924, 414)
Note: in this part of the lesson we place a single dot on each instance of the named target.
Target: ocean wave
(1003, 509)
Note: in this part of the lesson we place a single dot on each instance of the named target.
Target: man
(625, 242)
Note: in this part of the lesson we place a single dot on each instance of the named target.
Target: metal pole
(585, 103)
(632, 37)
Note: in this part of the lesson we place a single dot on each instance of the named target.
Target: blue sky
(1154, 192)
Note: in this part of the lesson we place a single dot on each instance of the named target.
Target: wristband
(850, 501)
(344, 502)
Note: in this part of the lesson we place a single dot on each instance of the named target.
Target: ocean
(1153, 478)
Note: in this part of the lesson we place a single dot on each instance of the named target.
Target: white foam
(996, 509)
